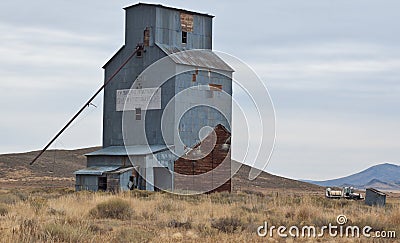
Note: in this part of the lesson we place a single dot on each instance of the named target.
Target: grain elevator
(142, 149)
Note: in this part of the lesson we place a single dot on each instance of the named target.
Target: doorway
(102, 182)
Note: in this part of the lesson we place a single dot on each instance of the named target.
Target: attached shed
(121, 168)
(374, 197)
(96, 178)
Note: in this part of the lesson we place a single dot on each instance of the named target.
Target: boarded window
(138, 114)
(215, 87)
(146, 37)
(187, 22)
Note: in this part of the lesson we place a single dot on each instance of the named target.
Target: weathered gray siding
(86, 182)
(165, 28)
(375, 198)
(108, 161)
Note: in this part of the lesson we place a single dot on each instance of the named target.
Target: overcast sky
(332, 69)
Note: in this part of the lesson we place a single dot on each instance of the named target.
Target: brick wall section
(211, 171)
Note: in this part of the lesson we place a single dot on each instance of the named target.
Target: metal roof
(96, 170)
(122, 170)
(376, 191)
(129, 150)
(198, 58)
(166, 7)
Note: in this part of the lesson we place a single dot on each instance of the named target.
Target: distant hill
(56, 167)
(384, 177)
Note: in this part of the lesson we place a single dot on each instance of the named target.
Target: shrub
(305, 213)
(133, 235)
(65, 233)
(149, 215)
(28, 231)
(227, 224)
(141, 193)
(3, 210)
(8, 198)
(53, 211)
(206, 231)
(37, 203)
(167, 206)
(177, 224)
(113, 208)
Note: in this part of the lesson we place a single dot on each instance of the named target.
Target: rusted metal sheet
(187, 22)
(210, 173)
(215, 87)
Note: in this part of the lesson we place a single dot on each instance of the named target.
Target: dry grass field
(38, 204)
(61, 215)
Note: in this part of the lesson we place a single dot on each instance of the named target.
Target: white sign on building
(145, 99)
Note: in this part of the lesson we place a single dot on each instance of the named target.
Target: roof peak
(167, 7)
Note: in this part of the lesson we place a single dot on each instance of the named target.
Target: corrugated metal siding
(165, 28)
(194, 118)
(86, 182)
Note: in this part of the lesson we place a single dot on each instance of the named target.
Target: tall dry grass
(65, 216)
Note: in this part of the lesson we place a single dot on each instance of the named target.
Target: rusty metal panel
(215, 87)
(187, 22)
(212, 171)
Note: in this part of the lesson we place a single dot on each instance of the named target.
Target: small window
(138, 114)
(184, 37)
(139, 53)
(194, 77)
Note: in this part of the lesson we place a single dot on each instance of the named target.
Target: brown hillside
(55, 169)
(266, 181)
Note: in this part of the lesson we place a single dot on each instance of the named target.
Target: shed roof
(166, 7)
(122, 170)
(96, 170)
(203, 58)
(129, 150)
(376, 191)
